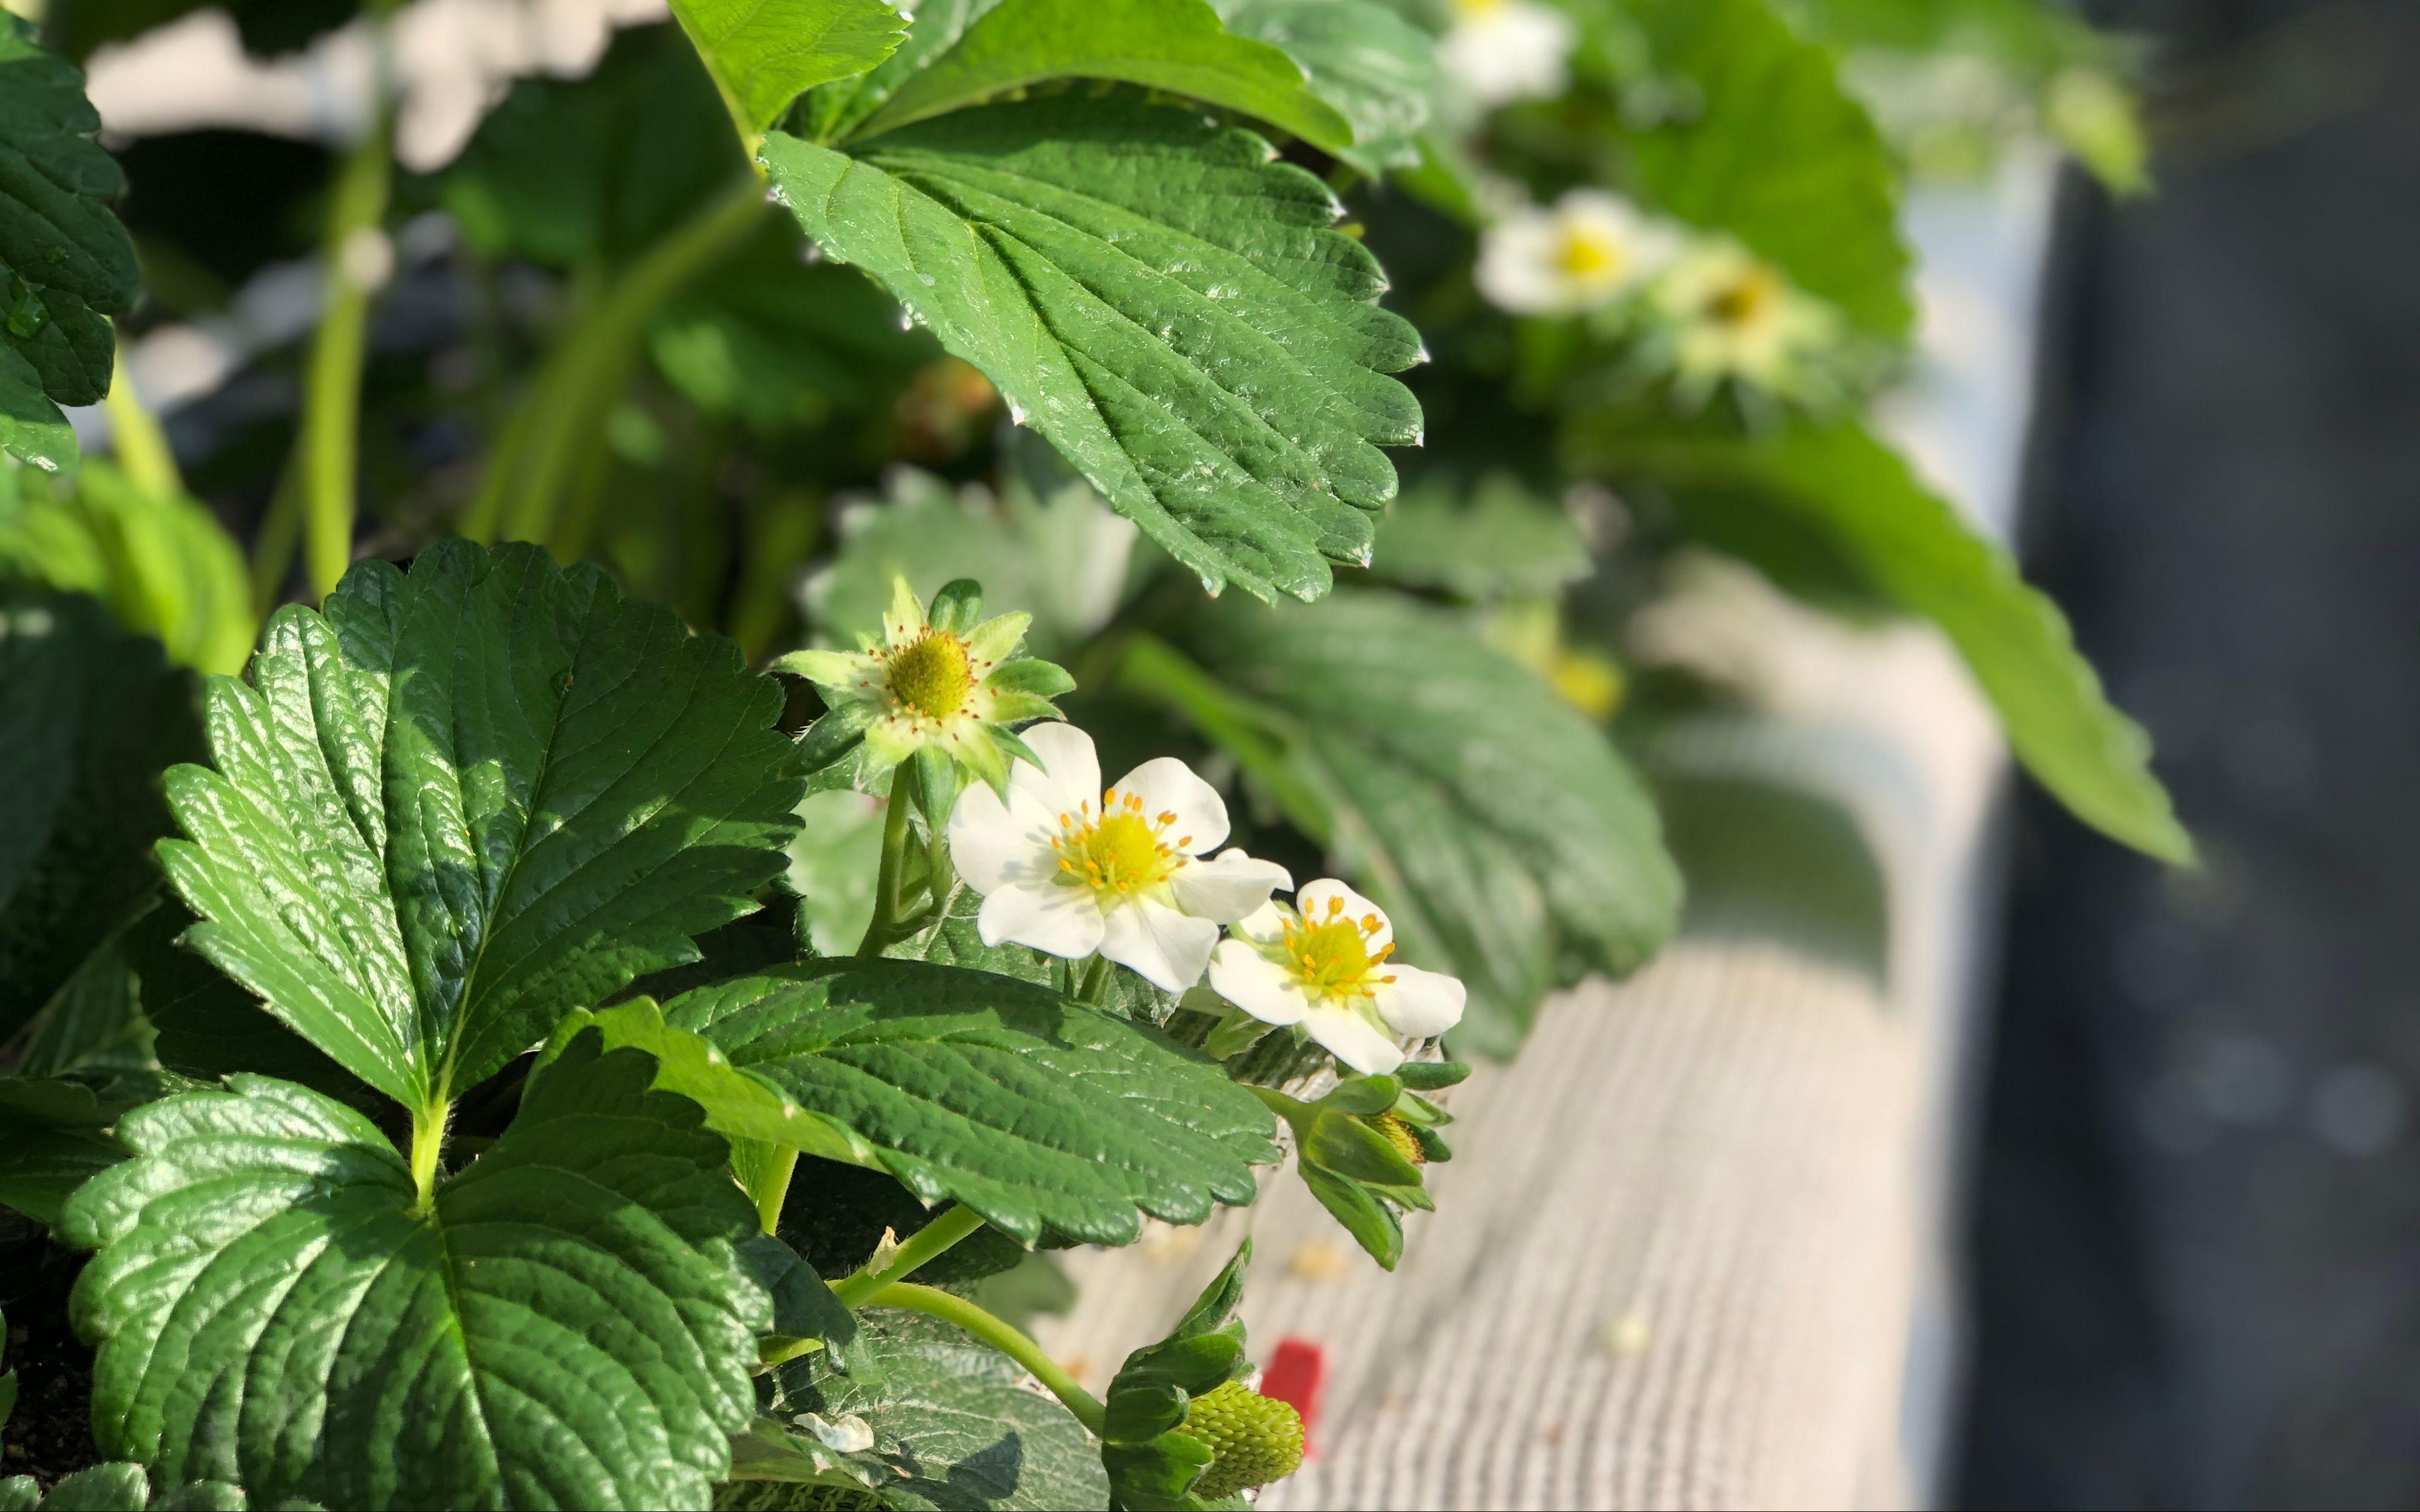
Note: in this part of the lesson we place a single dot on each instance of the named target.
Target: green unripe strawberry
(1257, 1439)
(1399, 1135)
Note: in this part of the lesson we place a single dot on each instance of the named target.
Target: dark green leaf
(764, 53)
(1914, 552)
(66, 265)
(1377, 69)
(1035, 1111)
(1166, 305)
(115, 1488)
(1175, 46)
(462, 803)
(1777, 155)
(90, 718)
(51, 1141)
(568, 1324)
(1495, 822)
(803, 1306)
(953, 1424)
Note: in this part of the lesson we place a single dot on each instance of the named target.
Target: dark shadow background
(2196, 1232)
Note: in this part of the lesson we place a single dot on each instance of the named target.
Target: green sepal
(1151, 1462)
(957, 607)
(1030, 675)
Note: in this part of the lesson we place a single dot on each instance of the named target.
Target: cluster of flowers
(1133, 871)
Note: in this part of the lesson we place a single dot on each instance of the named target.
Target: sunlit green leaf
(764, 53)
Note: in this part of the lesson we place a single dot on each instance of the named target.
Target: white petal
(1315, 895)
(996, 845)
(1227, 887)
(1198, 824)
(1164, 948)
(1256, 984)
(1070, 774)
(1420, 1003)
(1266, 924)
(1354, 1040)
(1051, 918)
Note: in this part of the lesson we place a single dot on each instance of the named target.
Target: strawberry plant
(570, 886)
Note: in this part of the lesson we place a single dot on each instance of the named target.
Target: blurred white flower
(1070, 869)
(1507, 50)
(1323, 965)
(1736, 315)
(1589, 249)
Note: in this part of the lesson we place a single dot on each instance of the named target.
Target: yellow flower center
(1123, 851)
(1476, 8)
(1330, 953)
(1584, 255)
(1746, 298)
(931, 673)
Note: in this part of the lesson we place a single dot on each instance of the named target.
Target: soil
(49, 1433)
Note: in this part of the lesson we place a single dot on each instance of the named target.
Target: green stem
(273, 545)
(331, 395)
(1095, 986)
(1007, 1340)
(428, 1143)
(768, 1182)
(588, 372)
(138, 441)
(923, 1245)
(886, 881)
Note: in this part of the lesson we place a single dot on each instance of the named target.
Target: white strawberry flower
(1734, 316)
(1506, 50)
(1326, 963)
(1070, 868)
(1589, 249)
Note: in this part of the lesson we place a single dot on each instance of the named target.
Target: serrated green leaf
(1497, 824)
(568, 171)
(66, 265)
(51, 1141)
(1364, 58)
(166, 566)
(114, 1487)
(568, 1324)
(1177, 46)
(803, 1306)
(461, 804)
(1502, 541)
(32, 429)
(1777, 155)
(1037, 1112)
(208, 1027)
(954, 1427)
(1167, 306)
(90, 718)
(764, 53)
(1914, 552)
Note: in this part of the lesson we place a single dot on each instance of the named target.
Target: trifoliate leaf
(66, 265)
(90, 718)
(565, 1323)
(166, 566)
(953, 1424)
(458, 804)
(764, 53)
(1364, 58)
(1178, 47)
(1037, 1112)
(1910, 549)
(1777, 155)
(1496, 824)
(1167, 306)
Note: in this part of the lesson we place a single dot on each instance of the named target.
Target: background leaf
(66, 265)
(1500, 830)
(91, 717)
(568, 1325)
(458, 804)
(953, 1424)
(1177, 46)
(1912, 551)
(1164, 305)
(1363, 57)
(764, 53)
(1777, 155)
(1501, 541)
(1035, 1111)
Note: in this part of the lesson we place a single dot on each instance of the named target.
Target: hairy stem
(522, 496)
(920, 1248)
(138, 441)
(329, 446)
(880, 928)
(1007, 1340)
(1095, 986)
